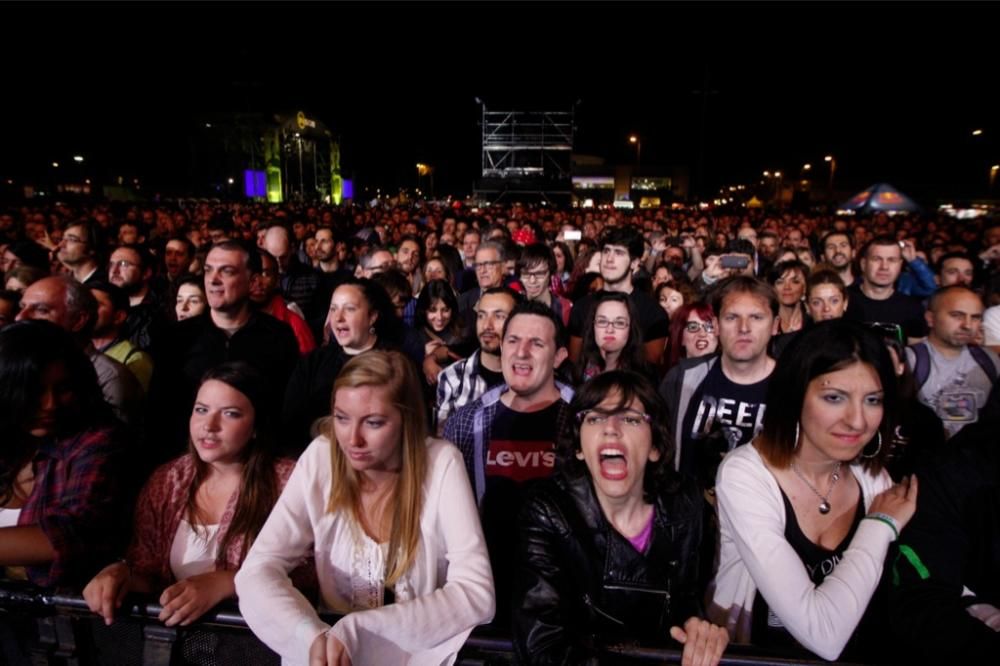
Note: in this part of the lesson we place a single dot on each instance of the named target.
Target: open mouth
(614, 465)
(521, 369)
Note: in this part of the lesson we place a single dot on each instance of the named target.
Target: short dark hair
(534, 254)
(629, 386)
(625, 236)
(251, 254)
(782, 267)
(540, 310)
(826, 347)
(119, 299)
(879, 240)
(744, 284)
(829, 234)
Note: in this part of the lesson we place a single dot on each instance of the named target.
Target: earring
(371, 330)
(796, 436)
(878, 448)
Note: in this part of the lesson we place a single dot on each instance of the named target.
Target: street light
(638, 149)
(977, 132)
(993, 175)
(78, 158)
(833, 168)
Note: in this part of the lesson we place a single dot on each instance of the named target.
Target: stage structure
(282, 157)
(526, 156)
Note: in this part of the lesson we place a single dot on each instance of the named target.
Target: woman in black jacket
(611, 544)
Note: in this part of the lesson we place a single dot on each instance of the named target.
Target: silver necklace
(824, 503)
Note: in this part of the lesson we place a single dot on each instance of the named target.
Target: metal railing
(41, 628)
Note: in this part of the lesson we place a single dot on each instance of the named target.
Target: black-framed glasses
(695, 326)
(532, 276)
(619, 324)
(479, 265)
(888, 330)
(627, 417)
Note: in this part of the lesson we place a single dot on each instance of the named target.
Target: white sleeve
(278, 614)
(822, 618)
(991, 326)
(440, 621)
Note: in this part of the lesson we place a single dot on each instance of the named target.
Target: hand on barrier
(187, 600)
(105, 592)
(703, 642)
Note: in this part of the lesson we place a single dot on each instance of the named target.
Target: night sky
(893, 91)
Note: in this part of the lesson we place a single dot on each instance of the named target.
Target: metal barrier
(44, 628)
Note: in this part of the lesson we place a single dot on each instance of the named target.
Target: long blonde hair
(393, 372)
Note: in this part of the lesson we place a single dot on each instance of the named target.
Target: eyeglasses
(533, 276)
(122, 263)
(480, 265)
(628, 417)
(619, 324)
(694, 326)
(888, 330)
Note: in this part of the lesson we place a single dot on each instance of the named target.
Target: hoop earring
(794, 448)
(877, 448)
(371, 330)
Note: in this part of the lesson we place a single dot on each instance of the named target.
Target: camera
(738, 261)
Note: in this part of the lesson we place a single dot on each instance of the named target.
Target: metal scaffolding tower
(526, 153)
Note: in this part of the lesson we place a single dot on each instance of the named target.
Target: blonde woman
(389, 515)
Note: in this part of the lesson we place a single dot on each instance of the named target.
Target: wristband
(887, 519)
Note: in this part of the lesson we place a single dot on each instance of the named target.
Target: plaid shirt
(470, 429)
(78, 504)
(458, 385)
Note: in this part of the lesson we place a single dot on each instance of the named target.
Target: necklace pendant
(824, 507)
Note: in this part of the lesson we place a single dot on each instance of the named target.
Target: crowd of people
(587, 427)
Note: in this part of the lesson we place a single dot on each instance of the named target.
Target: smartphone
(572, 235)
(739, 261)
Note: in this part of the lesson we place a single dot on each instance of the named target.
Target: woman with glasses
(807, 512)
(612, 339)
(611, 546)
(692, 333)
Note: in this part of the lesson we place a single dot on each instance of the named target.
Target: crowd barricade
(44, 628)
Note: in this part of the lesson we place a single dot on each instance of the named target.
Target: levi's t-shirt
(521, 449)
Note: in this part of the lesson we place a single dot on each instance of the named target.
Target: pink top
(641, 540)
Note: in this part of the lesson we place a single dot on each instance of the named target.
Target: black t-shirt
(521, 450)
(721, 416)
(907, 311)
(653, 320)
(491, 378)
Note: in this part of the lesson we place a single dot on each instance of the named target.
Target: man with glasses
(79, 251)
(130, 269)
(490, 258)
(716, 403)
(621, 251)
(535, 267)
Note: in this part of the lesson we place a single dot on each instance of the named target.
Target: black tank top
(767, 629)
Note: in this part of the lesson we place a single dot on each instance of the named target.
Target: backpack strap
(921, 365)
(984, 361)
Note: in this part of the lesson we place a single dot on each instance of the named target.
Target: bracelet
(888, 520)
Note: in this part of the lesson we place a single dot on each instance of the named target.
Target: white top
(755, 554)
(193, 551)
(991, 326)
(447, 591)
(8, 517)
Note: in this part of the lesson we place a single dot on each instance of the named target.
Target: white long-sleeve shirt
(447, 591)
(754, 554)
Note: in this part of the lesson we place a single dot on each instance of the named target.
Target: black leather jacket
(581, 586)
